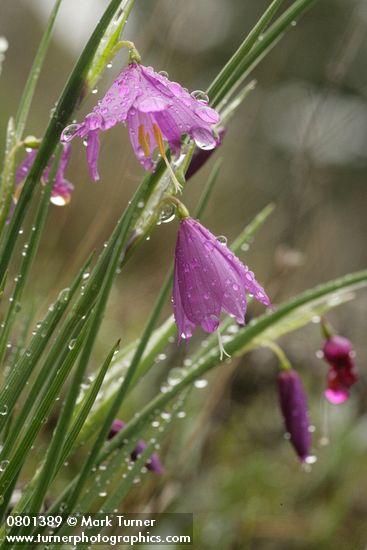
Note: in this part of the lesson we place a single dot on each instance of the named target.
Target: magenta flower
(293, 404)
(154, 109)
(208, 279)
(338, 352)
(62, 188)
(153, 464)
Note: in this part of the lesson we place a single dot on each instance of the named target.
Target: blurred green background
(299, 141)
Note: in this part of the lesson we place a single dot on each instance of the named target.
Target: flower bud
(293, 404)
(338, 352)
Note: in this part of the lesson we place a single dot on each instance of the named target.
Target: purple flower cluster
(153, 464)
(155, 110)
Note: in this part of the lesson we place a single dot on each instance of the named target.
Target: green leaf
(216, 88)
(30, 86)
(28, 255)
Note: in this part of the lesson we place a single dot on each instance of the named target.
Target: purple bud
(116, 426)
(337, 350)
(293, 404)
(153, 464)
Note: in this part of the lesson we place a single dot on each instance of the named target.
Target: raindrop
(95, 91)
(222, 240)
(109, 65)
(199, 95)
(319, 354)
(163, 73)
(3, 465)
(21, 231)
(70, 131)
(167, 214)
(102, 494)
(72, 343)
(181, 414)
(200, 384)
(4, 44)
(166, 416)
(4, 411)
(311, 459)
(311, 429)
(175, 376)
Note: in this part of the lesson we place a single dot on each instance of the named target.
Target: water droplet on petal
(222, 240)
(199, 95)
(69, 132)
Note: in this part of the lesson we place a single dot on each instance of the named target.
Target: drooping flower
(153, 464)
(154, 109)
(62, 188)
(293, 404)
(338, 352)
(208, 279)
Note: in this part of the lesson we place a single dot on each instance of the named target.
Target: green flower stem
(277, 350)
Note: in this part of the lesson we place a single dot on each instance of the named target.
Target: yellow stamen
(144, 140)
(17, 193)
(159, 140)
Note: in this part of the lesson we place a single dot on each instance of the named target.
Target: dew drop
(4, 411)
(199, 95)
(167, 214)
(69, 132)
(200, 384)
(72, 343)
(222, 240)
(175, 376)
(3, 465)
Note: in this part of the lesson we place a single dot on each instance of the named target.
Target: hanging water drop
(72, 343)
(199, 95)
